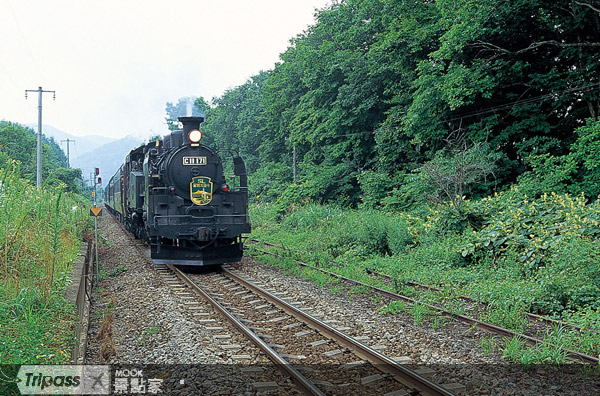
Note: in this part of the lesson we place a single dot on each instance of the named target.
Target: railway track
(572, 355)
(159, 319)
(534, 318)
(319, 358)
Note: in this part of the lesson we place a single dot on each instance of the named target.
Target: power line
(25, 41)
(535, 99)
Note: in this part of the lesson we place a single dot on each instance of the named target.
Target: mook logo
(64, 380)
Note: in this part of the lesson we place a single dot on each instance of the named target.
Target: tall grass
(40, 234)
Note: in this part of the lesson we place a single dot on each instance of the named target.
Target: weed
(513, 348)
(438, 321)
(101, 274)
(336, 289)
(360, 290)
(528, 358)
(506, 313)
(118, 270)
(151, 330)
(393, 308)
(419, 312)
(376, 298)
(488, 344)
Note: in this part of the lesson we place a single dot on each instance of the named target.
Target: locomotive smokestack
(190, 123)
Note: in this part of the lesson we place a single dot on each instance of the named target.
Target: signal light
(99, 179)
(97, 171)
(172, 190)
(225, 187)
(195, 136)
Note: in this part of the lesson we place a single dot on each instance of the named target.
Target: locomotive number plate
(194, 160)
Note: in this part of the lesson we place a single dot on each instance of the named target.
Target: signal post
(95, 211)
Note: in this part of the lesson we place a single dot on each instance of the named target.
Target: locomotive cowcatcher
(174, 194)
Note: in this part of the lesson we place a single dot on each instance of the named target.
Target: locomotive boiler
(174, 193)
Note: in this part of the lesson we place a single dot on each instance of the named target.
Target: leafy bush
(532, 227)
(576, 172)
(571, 278)
(399, 238)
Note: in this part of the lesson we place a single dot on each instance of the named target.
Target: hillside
(108, 157)
(81, 145)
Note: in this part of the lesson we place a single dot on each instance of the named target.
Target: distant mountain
(107, 157)
(81, 145)
(93, 151)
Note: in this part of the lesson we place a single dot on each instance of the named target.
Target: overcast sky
(115, 63)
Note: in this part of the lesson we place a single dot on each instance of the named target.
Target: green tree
(20, 143)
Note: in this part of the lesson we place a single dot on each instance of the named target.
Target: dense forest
(390, 103)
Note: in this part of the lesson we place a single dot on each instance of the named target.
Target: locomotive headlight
(195, 136)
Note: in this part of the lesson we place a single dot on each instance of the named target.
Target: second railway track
(574, 356)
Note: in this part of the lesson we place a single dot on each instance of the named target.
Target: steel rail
(532, 317)
(302, 382)
(573, 355)
(401, 373)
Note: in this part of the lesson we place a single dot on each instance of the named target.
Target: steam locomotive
(174, 194)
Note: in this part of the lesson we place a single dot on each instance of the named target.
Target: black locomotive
(174, 194)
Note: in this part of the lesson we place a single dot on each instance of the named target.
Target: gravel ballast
(142, 320)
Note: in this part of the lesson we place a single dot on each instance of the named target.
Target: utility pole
(38, 179)
(68, 141)
(97, 180)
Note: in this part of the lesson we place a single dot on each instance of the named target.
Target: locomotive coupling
(204, 234)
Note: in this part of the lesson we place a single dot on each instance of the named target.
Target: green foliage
(532, 227)
(451, 174)
(427, 247)
(393, 308)
(35, 329)
(66, 178)
(552, 351)
(19, 143)
(380, 190)
(576, 172)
